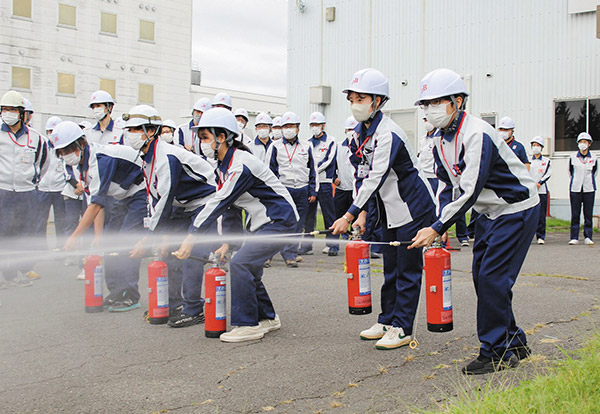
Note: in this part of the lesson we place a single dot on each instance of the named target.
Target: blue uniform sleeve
(107, 167)
(522, 154)
(444, 192)
(167, 188)
(272, 159)
(313, 186)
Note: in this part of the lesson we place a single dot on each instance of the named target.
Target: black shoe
(111, 299)
(182, 320)
(332, 252)
(175, 312)
(485, 365)
(522, 351)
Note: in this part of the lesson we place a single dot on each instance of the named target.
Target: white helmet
(263, 118)
(13, 99)
(220, 118)
(506, 123)
(241, 112)
(350, 123)
(277, 121)
(222, 99)
(584, 135)
(537, 140)
(141, 115)
(87, 125)
(441, 83)
(101, 96)
(369, 81)
(28, 105)
(290, 118)
(170, 123)
(202, 105)
(119, 123)
(65, 133)
(316, 118)
(52, 122)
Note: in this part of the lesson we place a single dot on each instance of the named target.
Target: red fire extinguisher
(94, 278)
(438, 285)
(215, 285)
(358, 270)
(158, 292)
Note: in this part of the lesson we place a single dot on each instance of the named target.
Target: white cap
(28, 105)
(277, 121)
(87, 125)
(222, 99)
(290, 118)
(584, 135)
(537, 140)
(202, 105)
(316, 118)
(506, 123)
(350, 123)
(65, 133)
(263, 118)
(141, 115)
(52, 122)
(369, 81)
(13, 99)
(219, 118)
(440, 83)
(170, 123)
(241, 112)
(101, 97)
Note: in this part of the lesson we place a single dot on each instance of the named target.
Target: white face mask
(196, 118)
(437, 115)
(10, 118)
(98, 113)
(429, 126)
(350, 135)
(241, 124)
(536, 150)
(277, 134)
(262, 133)
(72, 158)
(207, 150)
(289, 133)
(316, 130)
(167, 137)
(582, 146)
(361, 112)
(135, 140)
(505, 135)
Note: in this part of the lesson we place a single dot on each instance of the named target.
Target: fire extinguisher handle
(400, 243)
(317, 232)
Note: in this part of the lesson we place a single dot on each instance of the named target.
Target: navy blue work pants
(577, 200)
(541, 228)
(325, 200)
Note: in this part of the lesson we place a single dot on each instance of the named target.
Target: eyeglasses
(434, 103)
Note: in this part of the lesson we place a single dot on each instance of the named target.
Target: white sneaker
(268, 325)
(243, 333)
(541, 241)
(374, 332)
(588, 242)
(81, 275)
(573, 242)
(393, 338)
(325, 250)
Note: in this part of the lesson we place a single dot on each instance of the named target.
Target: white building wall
(536, 52)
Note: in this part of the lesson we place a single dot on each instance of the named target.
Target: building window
(66, 15)
(108, 23)
(21, 78)
(22, 8)
(108, 85)
(147, 30)
(146, 93)
(490, 119)
(66, 84)
(573, 117)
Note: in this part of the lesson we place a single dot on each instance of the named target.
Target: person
(541, 171)
(105, 131)
(23, 161)
(344, 174)
(476, 168)
(178, 183)
(241, 116)
(261, 143)
(387, 172)
(324, 149)
(85, 125)
(167, 131)
(247, 182)
(28, 115)
(186, 135)
(107, 171)
(583, 169)
(506, 131)
(292, 161)
(276, 128)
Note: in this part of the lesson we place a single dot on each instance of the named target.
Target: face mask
(241, 125)
(361, 112)
(316, 130)
(350, 135)
(437, 116)
(135, 140)
(10, 118)
(72, 158)
(505, 135)
(429, 126)
(582, 146)
(98, 113)
(262, 133)
(289, 133)
(536, 150)
(196, 118)
(277, 134)
(207, 150)
(167, 137)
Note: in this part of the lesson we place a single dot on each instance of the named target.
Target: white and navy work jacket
(110, 136)
(69, 190)
(477, 169)
(344, 169)
(324, 151)
(583, 171)
(185, 137)
(247, 183)
(294, 164)
(175, 177)
(259, 149)
(426, 144)
(386, 167)
(54, 179)
(110, 171)
(541, 171)
(23, 159)
(518, 149)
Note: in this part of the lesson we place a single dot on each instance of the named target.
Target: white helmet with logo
(506, 123)
(222, 99)
(52, 122)
(85, 124)
(28, 105)
(277, 121)
(441, 83)
(537, 140)
(13, 99)
(220, 118)
(316, 118)
(369, 81)
(100, 97)
(263, 118)
(65, 133)
(350, 123)
(241, 112)
(290, 118)
(584, 135)
(202, 105)
(170, 123)
(141, 115)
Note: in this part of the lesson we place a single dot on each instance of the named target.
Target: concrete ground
(54, 357)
